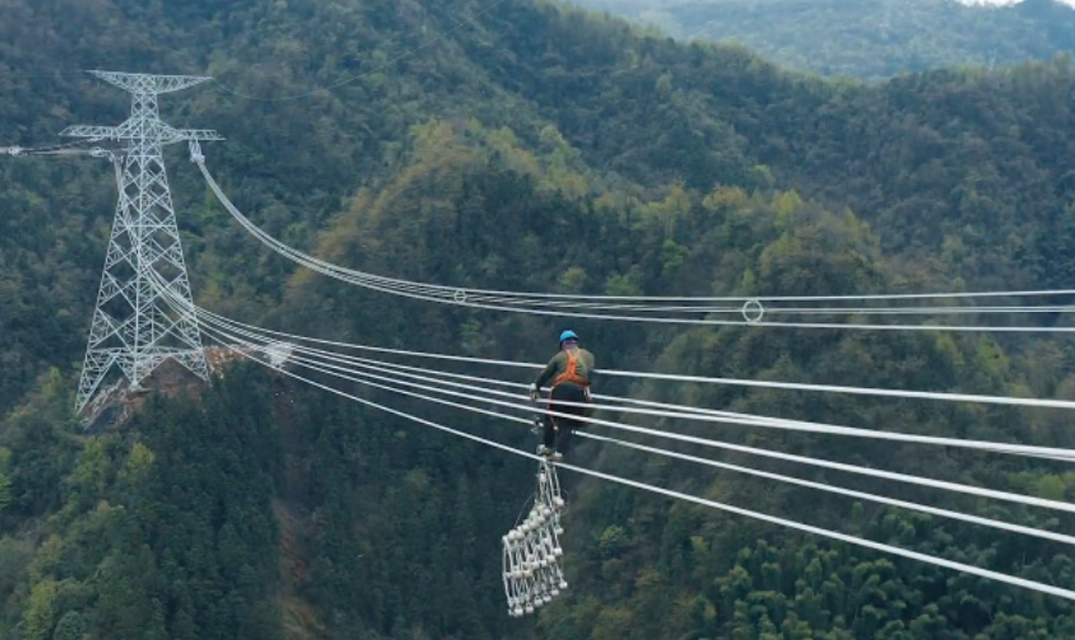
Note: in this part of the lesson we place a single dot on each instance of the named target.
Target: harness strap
(571, 372)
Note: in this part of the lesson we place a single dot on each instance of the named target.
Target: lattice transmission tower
(135, 327)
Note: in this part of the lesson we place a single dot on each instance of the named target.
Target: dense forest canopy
(529, 146)
(869, 39)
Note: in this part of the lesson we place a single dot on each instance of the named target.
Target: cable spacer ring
(753, 311)
(460, 296)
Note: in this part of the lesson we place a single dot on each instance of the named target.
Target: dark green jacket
(558, 365)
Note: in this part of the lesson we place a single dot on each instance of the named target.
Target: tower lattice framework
(135, 328)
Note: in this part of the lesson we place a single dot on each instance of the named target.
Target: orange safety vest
(571, 373)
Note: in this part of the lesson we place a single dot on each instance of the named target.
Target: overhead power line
(753, 310)
(1041, 403)
(877, 546)
(474, 396)
(717, 444)
(346, 373)
(665, 410)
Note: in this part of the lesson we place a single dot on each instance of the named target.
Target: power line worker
(569, 374)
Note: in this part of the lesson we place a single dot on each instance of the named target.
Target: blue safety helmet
(568, 335)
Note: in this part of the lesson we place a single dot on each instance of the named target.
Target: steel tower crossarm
(137, 83)
(128, 131)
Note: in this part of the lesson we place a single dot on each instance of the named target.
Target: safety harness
(571, 372)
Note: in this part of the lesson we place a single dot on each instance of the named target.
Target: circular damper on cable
(460, 296)
(753, 311)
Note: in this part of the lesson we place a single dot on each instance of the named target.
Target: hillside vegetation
(871, 39)
(529, 147)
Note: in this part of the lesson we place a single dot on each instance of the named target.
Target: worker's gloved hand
(533, 393)
(586, 394)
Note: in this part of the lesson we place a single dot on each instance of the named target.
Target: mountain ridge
(534, 148)
(874, 39)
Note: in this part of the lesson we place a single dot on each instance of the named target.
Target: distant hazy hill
(865, 38)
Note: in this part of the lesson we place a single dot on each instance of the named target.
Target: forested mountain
(869, 39)
(527, 146)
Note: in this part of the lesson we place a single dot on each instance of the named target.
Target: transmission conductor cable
(791, 524)
(711, 415)
(494, 294)
(997, 524)
(747, 419)
(937, 484)
(1046, 403)
(460, 297)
